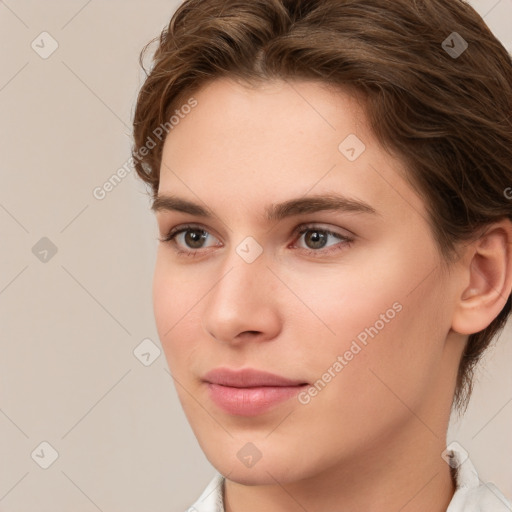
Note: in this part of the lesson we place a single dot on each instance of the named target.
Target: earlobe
(489, 269)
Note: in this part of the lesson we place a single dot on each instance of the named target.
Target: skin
(372, 438)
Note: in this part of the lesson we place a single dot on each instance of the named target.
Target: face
(346, 301)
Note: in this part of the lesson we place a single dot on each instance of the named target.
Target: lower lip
(250, 401)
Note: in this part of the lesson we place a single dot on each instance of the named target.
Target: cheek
(176, 312)
(390, 319)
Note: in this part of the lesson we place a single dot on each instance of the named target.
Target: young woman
(331, 181)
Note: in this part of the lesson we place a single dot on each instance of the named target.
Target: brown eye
(315, 239)
(189, 240)
(194, 238)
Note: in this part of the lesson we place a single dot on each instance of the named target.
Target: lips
(249, 392)
(248, 378)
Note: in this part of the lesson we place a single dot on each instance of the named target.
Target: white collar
(470, 495)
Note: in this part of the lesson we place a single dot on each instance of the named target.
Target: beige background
(68, 374)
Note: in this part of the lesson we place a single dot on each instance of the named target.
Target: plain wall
(69, 325)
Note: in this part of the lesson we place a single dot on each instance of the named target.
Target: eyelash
(299, 231)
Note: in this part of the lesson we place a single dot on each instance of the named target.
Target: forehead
(275, 141)
(283, 116)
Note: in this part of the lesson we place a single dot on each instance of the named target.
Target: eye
(188, 236)
(317, 238)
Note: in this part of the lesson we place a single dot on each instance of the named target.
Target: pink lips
(249, 392)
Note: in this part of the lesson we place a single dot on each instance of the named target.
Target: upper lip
(248, 377)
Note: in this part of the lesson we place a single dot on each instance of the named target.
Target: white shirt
(470, 495)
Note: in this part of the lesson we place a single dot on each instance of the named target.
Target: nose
(244, 302)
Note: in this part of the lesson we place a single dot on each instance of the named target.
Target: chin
(234, 462)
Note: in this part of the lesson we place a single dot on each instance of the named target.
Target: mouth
(249, 392)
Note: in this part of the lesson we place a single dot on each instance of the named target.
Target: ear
(487, 279)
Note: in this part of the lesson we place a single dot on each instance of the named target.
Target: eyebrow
(274, 212)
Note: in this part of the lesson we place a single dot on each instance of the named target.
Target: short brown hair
(448, 117)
